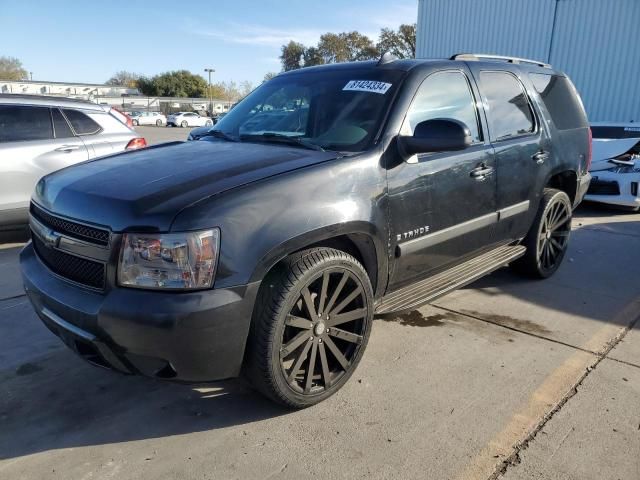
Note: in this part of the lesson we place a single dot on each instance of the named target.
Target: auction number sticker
(367, 86)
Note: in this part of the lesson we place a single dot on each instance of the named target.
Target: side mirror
(437, 135)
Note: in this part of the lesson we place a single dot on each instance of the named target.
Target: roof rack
(474, 57)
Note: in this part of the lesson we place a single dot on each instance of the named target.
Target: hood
(146, 189)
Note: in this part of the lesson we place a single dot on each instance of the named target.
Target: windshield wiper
(281, 138)
(219, 134)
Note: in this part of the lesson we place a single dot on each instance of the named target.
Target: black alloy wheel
(554, 235)
(311, 328)
(548, 237)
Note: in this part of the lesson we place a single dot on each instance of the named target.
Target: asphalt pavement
(507, 378)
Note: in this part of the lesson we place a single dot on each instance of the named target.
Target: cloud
(258, 35)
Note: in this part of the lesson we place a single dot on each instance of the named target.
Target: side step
(427, 290)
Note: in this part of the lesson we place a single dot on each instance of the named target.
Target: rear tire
(310, 327)
(548, 237)
(134, 123)
(158, 123)
(184, 124)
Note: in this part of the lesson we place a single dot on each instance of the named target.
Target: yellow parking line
(542, 402)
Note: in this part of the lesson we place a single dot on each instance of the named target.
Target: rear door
(521, 144)
(34, 141)
(440, 210)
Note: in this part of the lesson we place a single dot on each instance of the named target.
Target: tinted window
(60, 126)
(509, 111)
(338, 109)
(81, 123)
(443, 95)
(20, 123)
(561, 100)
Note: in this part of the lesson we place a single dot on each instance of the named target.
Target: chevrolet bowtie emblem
(51, 238)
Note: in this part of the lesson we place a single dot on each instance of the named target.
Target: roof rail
(474, 57)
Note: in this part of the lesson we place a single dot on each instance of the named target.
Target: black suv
(327, 196)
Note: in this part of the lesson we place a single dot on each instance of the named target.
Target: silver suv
(39, 135)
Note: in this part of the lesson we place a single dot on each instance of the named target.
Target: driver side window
(443, 95)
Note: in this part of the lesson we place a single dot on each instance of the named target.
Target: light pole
(210, 71)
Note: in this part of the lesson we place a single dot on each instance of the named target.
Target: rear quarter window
(561, 99)
(81, 123)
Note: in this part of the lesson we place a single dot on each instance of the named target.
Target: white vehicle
(149, 118)
(615, 170)
(188, 119)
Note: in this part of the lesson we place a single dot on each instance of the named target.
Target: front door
(442, 205)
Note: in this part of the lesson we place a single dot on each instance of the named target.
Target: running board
(427, 290)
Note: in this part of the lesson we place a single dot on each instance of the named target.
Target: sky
(74, 41)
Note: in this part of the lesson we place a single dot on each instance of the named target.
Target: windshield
(337, 110)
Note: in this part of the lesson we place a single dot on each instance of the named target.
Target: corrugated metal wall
(595, 41)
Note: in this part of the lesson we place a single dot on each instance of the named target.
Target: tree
(312, 56)
(291, 56)
(124, 79)
(180, 83)
(401, 43)
(11, 69)
(346, 47)
(269, 75)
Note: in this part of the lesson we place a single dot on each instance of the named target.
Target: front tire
(310, 327)
(134, 122)
(158, 123)
(548, 238)
(184, 124)
(208, 123)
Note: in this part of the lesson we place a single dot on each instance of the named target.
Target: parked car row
(178, 119)
(39, 135)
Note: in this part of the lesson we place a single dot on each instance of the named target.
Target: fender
(262, 222)
(377, 266)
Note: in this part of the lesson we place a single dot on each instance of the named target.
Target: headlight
(178, 261)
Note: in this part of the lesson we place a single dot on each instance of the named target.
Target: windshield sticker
(367, 86)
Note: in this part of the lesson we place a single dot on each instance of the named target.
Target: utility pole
(31, 76)
(210, 71)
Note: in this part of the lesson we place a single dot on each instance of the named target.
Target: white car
(149, 118)
(188, 119)
(615, 171)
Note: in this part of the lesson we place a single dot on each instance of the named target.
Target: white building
(86, 91)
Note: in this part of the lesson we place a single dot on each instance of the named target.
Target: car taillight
(590, 151)
(136, 143)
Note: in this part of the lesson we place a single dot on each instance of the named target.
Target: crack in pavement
(514, 458)
(508, 327)
(13, 297)
(535, 414)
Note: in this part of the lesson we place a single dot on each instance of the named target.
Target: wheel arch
(566, 181)
(358, 239)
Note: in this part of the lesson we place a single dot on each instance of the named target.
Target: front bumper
(191, 336)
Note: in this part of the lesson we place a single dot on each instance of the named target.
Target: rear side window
(509, 112)
(561, 100)
(20, 123)
(60, 126)
(81, 123)
(443, 95)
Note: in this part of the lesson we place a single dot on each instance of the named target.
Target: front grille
(76, 269)
(71, 229)
(603, 187)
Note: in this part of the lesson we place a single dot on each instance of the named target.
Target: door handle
(541, 157)
(482, 172)
(67, 148)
